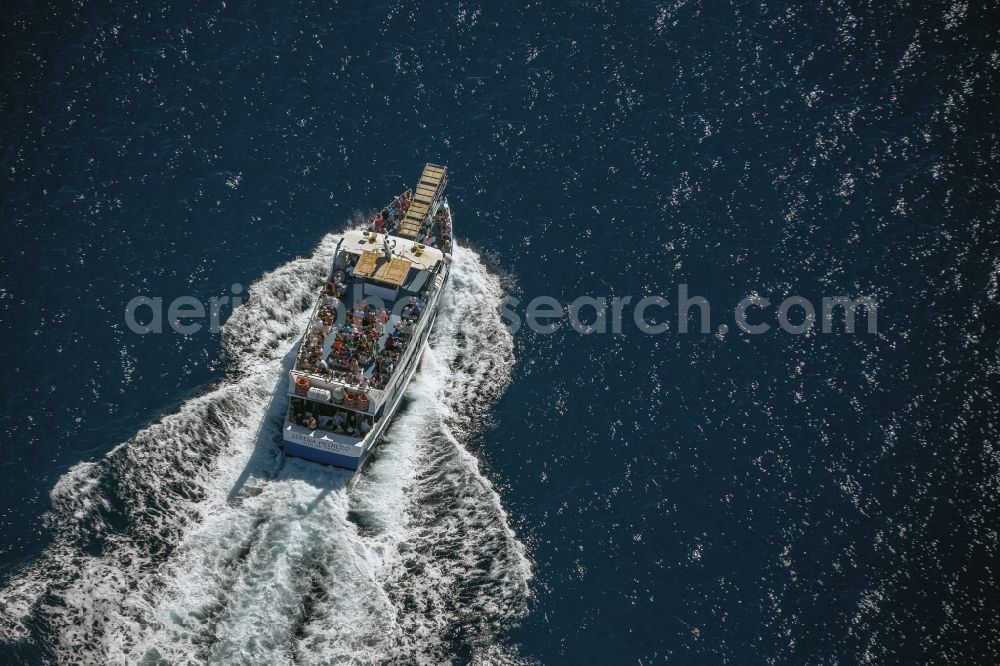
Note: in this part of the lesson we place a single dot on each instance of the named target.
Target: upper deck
(423, 257)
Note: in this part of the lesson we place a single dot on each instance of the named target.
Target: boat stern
(324, 447)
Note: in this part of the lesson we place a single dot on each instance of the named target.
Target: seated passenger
(311, 422)
(364, 426)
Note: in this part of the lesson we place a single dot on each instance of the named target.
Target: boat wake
(197, 541)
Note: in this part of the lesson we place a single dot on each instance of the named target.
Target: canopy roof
(373, 266)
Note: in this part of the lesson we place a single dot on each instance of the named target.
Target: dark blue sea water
(565, 498)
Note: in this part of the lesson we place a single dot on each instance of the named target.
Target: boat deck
(387, 330)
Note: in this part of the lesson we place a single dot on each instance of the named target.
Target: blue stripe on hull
(324, 457)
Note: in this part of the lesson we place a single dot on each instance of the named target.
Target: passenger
(337, 420)
(311, 422)
(364, 426)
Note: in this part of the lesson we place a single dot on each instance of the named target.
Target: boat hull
(313, 454)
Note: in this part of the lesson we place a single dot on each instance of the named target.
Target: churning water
(196, 540)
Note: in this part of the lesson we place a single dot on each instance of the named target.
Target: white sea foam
(211, 547)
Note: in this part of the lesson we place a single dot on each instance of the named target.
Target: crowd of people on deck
(436, 233)
(389, 218)
(355, 347)
(439, 232)
(311, 354)
(341, 420)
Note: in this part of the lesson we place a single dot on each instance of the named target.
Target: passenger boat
(369, 327)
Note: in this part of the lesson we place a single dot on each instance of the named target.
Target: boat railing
(374, 396)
